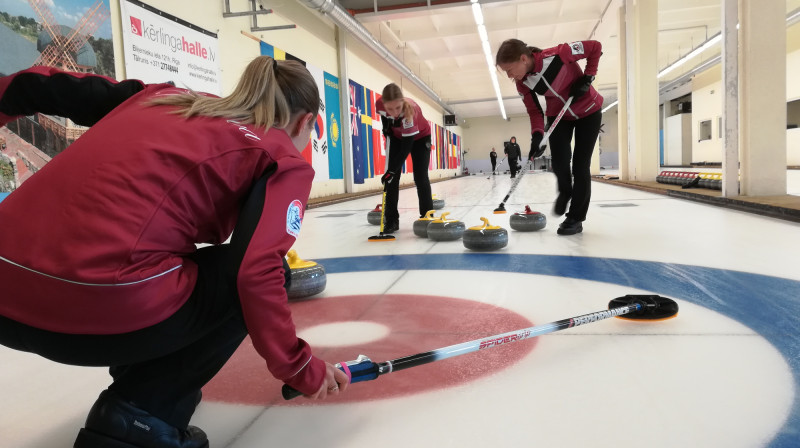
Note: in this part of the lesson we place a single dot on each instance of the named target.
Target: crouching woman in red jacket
(98, 260)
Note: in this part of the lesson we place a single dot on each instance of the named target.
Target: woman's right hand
(335, 381)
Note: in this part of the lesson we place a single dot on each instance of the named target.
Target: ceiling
(438, 40)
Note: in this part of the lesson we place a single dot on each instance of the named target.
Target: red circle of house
(417, 324)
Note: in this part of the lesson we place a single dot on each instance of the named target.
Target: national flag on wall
(365, 121)
(442, 148)
(274, 53)
(334, 130)
(448, 156)
(355, 124)
(378, 141)
(433, 145)
(318, 145)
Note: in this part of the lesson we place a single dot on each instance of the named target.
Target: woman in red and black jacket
(555, 73)
(407, 132)
(98, 257)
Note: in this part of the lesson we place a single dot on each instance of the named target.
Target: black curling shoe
(391, 227)
(115, 423)
(570, 227)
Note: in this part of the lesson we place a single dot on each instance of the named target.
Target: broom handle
(544, 141)
(363, 369)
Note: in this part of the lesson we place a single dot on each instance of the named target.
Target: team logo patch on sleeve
(577, 47)
(408, 124)
(294, 218)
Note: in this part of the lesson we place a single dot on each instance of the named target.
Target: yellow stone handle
(485, 226)
(295, 262)
(443, 218)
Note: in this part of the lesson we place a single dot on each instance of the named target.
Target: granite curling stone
(438, 204)
(443, 229)
(485, 237)
(374, 216)
(307, 277)
(528, 220)
(421, 225)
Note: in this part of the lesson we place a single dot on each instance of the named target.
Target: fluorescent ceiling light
(790, 20)
(703, 47)
(477, 13)
(482, 33)
(487, 52)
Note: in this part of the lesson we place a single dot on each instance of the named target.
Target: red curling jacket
(97, 241)
(554, 71)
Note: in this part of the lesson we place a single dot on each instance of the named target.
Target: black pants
(162, 368)
(512, 165)
(494, 164)
(577, 183)
(420, 158)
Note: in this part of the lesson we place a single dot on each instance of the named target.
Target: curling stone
(421, 225)
(308, 277)
(528, 220)
(374, 216)
(443, 229)
(438, 204)
(485, 237)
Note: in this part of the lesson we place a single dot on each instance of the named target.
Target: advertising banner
(159, 48)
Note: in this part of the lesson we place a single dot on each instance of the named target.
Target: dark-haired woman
(555, 74)
(407, 132)
(98, 260)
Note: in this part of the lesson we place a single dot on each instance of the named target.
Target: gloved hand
(537, 149)
(388, 124)
(387, 177)
(581, 86)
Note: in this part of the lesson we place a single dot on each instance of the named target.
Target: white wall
(707, 105)
(793, 147)
(793, 91)
(481, 134)
(609, 139)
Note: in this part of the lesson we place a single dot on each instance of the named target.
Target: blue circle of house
(768, 305)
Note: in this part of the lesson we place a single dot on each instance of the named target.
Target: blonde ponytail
(267, 95)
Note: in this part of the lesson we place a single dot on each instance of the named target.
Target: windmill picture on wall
(71, 35)
(68, 48)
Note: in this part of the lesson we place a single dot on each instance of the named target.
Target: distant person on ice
(513, 155)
